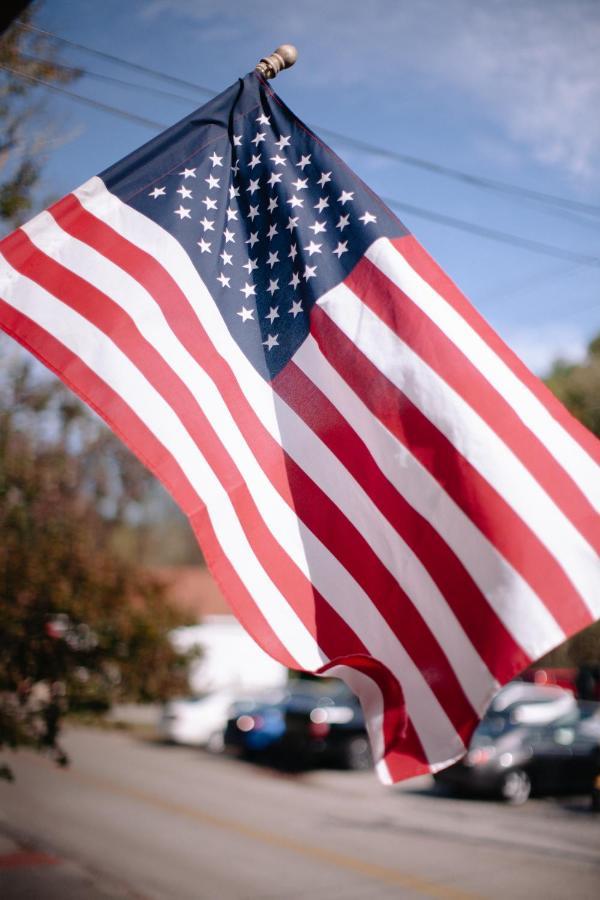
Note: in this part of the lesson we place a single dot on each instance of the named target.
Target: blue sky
(501, 89)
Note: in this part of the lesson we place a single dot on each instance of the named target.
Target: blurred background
(477, 122)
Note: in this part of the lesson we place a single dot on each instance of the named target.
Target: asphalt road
(151, 821)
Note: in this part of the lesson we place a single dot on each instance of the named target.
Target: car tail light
(479, 756)
(245, 723)
(318, 729)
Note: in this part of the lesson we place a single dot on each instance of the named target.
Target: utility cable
(109, 79)
(430, 215)
(478, 181)
(155, 73)
(96, 104)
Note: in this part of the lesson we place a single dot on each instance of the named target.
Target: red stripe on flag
(460, 591)
(428, 269)
(132, 431)
(419, 332)
(461, 481)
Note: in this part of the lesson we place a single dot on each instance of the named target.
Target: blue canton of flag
(269, 217)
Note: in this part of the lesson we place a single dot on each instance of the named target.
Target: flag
(382, 490)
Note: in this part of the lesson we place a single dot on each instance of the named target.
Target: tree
(578, 387)
(81, 624)
(26, 59)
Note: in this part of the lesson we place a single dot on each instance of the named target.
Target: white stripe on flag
(454, 418)
(571, 455)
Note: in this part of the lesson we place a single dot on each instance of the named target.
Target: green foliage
(578, 387)
(81, 625)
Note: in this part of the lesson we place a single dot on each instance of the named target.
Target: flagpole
(282, 58)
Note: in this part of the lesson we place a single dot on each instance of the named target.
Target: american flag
(382, 490)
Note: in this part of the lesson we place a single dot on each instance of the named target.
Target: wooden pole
(282, 58)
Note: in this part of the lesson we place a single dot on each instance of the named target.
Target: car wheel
(357, 754)
(216, 742)
(515, 787)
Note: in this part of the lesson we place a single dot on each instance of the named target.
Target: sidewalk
(28, 872)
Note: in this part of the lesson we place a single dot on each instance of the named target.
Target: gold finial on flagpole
(282, 58)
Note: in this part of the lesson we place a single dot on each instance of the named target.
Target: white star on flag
(204, 246)
(216, 160)
(188, 173)
(341, 248)
(313, 248)
(271, 341)
(246, 314)
(182, 212)
(157, 192)
(368, 217)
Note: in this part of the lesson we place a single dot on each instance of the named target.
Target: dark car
(331, 729)
(256, 727)
(511, 759)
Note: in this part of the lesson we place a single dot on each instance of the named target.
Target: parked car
(330, 728)
(197, 721)
(256, 726)
(511, 756)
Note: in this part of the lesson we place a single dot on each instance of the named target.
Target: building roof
(192, 590)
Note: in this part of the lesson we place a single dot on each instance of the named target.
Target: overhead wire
(471, 179)
(88, 101)
(430, 215)
(101, 54)
(109, 79)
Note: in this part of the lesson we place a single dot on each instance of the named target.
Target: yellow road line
(374, 871)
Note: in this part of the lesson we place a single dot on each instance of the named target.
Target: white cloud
(530, 66)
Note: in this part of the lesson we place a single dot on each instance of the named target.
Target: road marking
(22, 859)
(374, 871)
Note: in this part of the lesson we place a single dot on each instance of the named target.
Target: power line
(430, 215)
(478, 181)
(96, 104)
(465, 177)
(109, 79)
(495, 235)
(155, 73)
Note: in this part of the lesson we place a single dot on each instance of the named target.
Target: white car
(198, 721)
